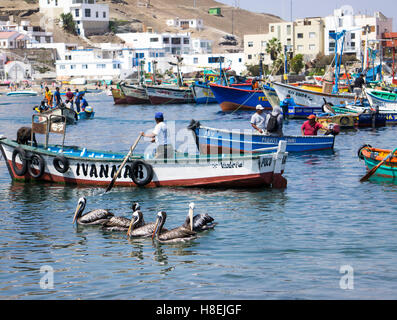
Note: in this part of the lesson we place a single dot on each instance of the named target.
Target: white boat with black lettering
(80, 166)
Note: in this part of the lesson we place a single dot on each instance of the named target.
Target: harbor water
(308, 241)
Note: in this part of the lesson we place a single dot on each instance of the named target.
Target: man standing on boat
(69, 97)
(358, 88)
(57, 97)
(164, 150)
(311, 126)
(257, 120)
(274, 123)
(48, 96)
(285, 104)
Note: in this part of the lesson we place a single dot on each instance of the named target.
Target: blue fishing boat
(219, 141)
(202, 93)
(233, 99)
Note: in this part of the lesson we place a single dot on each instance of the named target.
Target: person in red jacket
(311, 126)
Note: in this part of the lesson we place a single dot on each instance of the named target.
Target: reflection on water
(268, 244)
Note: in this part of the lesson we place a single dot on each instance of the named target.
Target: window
(312, 47)
(101, 66)
(312, 35)
(353, 45)
(288, 30)
(62, 67)
(84, 66)
(300, 35)
(249, 56)
(264, 44)
(352, 36)
(214, 59)
(272, 29)
(195, 60)
(186, 41)
(72, 66)
(97, 14)
(300, 48)
(250, 44)
(176, 40)
(239, 59)
(154, 39)
(87, 13)
(77, 13)
(104, 14)
(116, 65)
(166, 40)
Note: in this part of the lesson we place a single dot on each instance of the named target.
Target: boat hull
(118, 96)
(372, 157)
(96, 169)
(22, 93)
(168, 95)
(134, 94)
(70, 114)
(383, 100)
(232, 98)
(203, 94)
(309, 99)
(217, 141)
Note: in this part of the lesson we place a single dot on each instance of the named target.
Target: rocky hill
(143, 15)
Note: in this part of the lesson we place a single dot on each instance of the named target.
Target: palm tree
(274, 49)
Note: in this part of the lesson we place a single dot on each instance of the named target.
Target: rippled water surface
(269, 244)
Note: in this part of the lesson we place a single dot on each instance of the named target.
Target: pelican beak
(155, 228)
(129, 228)
(75, 214)
(191, 208)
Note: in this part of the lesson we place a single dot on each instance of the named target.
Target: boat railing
(46, 124)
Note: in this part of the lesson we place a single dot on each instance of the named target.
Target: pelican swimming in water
(119, 223)
(181, 233)
(94, 217)
(201, 222)
(138, 227)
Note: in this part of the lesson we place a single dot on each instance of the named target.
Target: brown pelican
(119, 223)
(94, 217)
(201, 222)
(181, 233)
(138, 227)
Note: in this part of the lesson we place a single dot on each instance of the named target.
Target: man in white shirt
(257, 120)
(164, 149)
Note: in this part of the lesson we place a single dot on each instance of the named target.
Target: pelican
(119, 223)
(94, 217)
(181, 233)
(138, 227)
(201, 222)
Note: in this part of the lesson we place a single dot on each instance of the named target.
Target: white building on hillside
(13, 40)
(186, 23)
(344, 19)
(35, 33)
(90, 17)
(197, 62)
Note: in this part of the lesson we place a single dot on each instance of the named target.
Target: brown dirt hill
(132, 15)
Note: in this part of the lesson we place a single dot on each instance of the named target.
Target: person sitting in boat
(83, 102)
(257, 120)
(164, 149)
(274, 123)
(57, 97)
(48, 96)
(42, 107)
(69, 97)
(311, 126)
(358, 88)
(288, 101)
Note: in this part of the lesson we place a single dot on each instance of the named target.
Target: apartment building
(254, 46)
(35, 33)
(90, 17)
(309, 37)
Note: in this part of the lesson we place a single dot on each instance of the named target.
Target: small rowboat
(214, 141)
(372, 157)
(22, 93)
(79, 166)
(382, 99)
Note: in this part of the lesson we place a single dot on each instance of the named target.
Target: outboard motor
(333, 128)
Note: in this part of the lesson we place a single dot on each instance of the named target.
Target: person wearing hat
(257, 120)
(311, 126)
(274, 123)
(164, 149)
(358, 88)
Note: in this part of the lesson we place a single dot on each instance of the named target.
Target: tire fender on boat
(61, 164)
(359, 154)
(344, 121)
(22, 156)
(39, 162)
(142, 173)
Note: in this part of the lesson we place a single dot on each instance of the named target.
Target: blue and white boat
(29, 93)
(202, 93)
(219, 141)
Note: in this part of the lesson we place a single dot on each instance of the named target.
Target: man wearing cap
(274, 123)
(164, 149)
(257, 120)
(311, 126)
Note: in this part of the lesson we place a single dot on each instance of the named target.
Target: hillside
(130, 16)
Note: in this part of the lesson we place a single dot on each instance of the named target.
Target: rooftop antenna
(291, 11)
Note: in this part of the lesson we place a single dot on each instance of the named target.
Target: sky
(316, 8)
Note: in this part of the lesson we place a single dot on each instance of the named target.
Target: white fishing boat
(30, 93)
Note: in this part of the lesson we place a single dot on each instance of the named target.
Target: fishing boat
(164, 94)
(70, 115)
(308, 100)
(367, 117)
(80, 166)
(202, 93)
(382, 99)
(134, 94)
(233, 99)
(30, 93)
(118, 96)
(373, 156)
(219, 141)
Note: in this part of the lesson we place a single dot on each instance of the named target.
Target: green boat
(372, 156)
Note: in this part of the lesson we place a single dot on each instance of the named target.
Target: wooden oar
(110, 186)
(372, 171)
